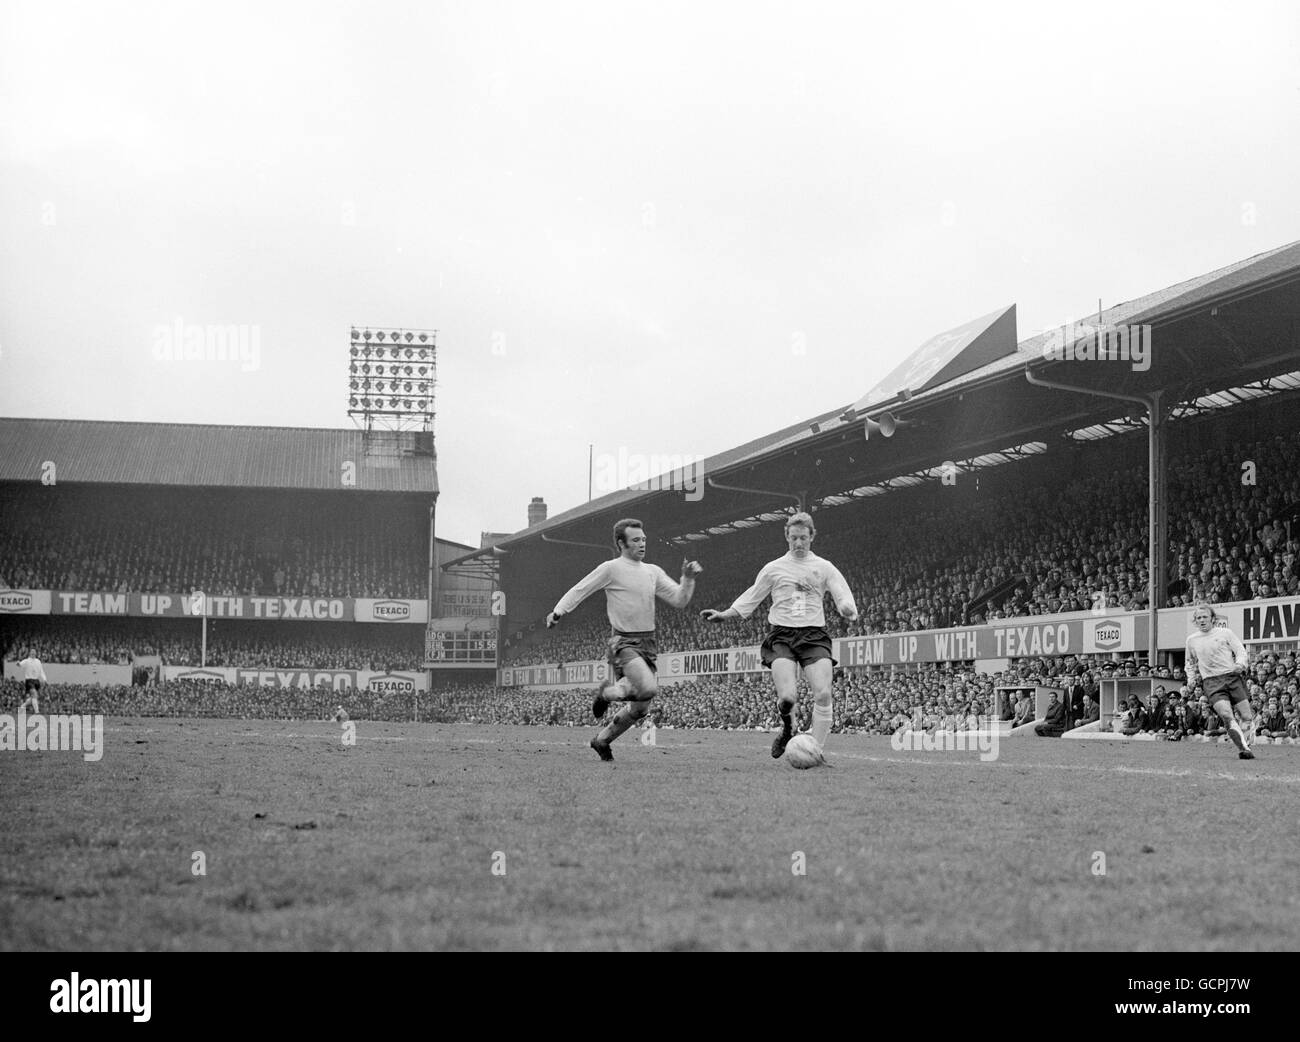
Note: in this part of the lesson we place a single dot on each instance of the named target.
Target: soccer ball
(803, 752)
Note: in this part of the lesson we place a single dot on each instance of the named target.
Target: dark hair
(621, 527)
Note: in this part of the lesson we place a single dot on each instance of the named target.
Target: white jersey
(630, 590)
(1214, 654)
(32, 669)
(797, 587)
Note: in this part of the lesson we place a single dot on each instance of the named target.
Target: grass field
(688, 844)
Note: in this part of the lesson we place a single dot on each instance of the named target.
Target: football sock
(1236, 734)
(821, 723)
(785, 709)
(623, 719)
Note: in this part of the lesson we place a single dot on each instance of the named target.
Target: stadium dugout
(968, 400)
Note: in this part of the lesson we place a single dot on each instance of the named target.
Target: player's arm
(678, 594)
(743, 606)
(1193, 669)
(1239, 653)
(596, 579)
(841, 594)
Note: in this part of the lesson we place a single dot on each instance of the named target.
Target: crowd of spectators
(1057, 543)
(76, 642)
(864, 703)
(180, 698)
(222, 542)
(882, 702)
(241, 644)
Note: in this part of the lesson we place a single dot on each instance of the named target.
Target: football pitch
(456, 837)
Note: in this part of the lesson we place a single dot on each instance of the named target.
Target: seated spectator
(1211, 724)
(1024, 710)
(1155, 710)
(1171, 722)
(1137, 717)
(1091, 712)
(1056, 721)
(1271, 724)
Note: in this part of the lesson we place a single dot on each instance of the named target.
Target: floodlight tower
(392, 375)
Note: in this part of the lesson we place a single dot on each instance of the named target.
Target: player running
(631, 587)
(33, 678)
(1220, 659)
(798, 584)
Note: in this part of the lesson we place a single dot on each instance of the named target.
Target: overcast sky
(662, 229)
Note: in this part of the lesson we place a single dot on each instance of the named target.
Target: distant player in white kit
(1218, 657)
(797, 584)
(33, 678)
(631, 587)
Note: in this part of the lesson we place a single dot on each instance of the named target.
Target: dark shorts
(1231, 686)
(804, 644)
(31, 685)
(624, 647)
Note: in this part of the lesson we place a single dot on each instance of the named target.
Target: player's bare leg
(785, 674)
(1238, 736)
(819, 675)
(1246, 715)
(621, 690)
(643, 687)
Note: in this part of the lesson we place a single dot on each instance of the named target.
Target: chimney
(536, 511)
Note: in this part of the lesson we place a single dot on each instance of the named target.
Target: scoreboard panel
(459, 649)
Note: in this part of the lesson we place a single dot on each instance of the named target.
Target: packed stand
(240, 644)
(180, 698)
(929, 700)
(1075, 544)
(222, 542)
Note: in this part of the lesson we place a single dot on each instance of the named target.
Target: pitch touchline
(1117, 768)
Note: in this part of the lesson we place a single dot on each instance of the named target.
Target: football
(803, 752)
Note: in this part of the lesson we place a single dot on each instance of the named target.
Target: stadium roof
(210, 456)
(1229, 328)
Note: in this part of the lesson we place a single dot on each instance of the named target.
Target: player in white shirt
(1219, 659)
(631, 586)
(797, 584)
(33, 678)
